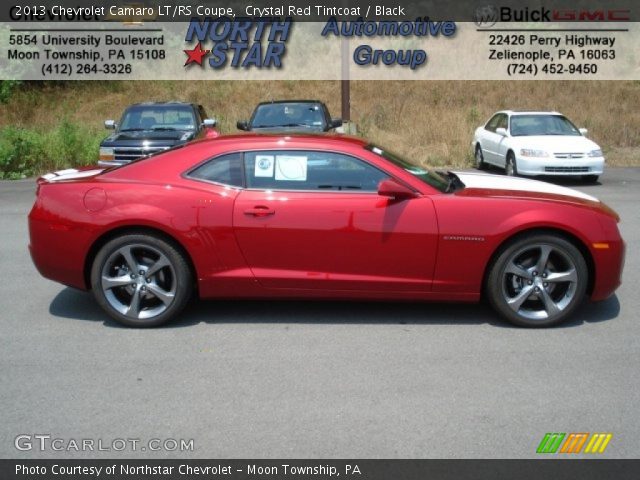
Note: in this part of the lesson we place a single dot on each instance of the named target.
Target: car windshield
(288, 115)
(429, 177)
(154, 117)
(528, 125)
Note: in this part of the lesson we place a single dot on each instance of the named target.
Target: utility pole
(345, 82)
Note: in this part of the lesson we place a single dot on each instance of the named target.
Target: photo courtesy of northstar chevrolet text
(288, 240)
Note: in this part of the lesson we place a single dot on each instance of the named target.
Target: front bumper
(560, 166)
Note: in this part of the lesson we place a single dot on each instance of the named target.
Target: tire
(590, 178)
(537, 280)
(479, 159)
(511, 167)
(141, 280)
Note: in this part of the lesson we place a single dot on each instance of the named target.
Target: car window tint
(310, 170)
(493, 123)
(226, 169)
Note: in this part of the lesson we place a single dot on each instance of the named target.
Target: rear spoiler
(69, 174)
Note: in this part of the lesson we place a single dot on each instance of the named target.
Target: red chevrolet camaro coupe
(326, 217)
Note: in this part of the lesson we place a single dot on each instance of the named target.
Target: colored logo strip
(573, 442)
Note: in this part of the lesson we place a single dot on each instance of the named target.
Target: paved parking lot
(311, 379)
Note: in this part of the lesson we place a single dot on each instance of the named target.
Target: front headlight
(595, 153)
(527, 152)
(106, 153)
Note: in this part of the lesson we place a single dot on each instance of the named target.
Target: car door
(491, 140)
(314, 220)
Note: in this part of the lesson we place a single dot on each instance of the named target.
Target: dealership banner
(318, 469)
(325, 41)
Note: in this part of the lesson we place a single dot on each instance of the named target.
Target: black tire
(590, 178)
(548, 300)
(160, 296)
(511, 167)
(479, 159)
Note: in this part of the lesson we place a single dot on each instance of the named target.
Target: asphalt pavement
(312, 379)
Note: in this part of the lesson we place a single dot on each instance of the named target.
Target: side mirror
(243, 126)
(209, 122)
(502, 131)
(335, 123)
(110, 124)
(584, 131)
(390, 188)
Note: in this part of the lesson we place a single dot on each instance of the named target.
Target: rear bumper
(58, 252)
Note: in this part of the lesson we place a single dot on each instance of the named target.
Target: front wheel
(537, 280)
(511, 168)
(141, 280)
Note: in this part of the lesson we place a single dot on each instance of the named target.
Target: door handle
(260, 211)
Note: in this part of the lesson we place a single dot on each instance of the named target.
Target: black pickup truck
(147, 128)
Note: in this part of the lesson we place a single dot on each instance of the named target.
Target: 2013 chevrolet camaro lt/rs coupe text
(326, 217)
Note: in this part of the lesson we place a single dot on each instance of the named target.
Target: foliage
(26, 152)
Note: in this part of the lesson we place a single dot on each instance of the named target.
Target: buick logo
(486, 17)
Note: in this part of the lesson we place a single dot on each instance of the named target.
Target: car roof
(322, 138)
(161, 104)
(528, 112)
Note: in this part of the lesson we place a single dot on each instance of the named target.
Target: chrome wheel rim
(138, 281)
(539, 281)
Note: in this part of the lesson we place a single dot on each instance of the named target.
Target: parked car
(147, 128)
(537, 143)
(290, 116)
(324, 217)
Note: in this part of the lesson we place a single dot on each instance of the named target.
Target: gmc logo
(592, 15)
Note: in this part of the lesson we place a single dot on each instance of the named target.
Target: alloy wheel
(539, 281)
(138, 281)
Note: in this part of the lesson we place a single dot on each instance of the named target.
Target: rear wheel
(510, 168)
(537, 280)
(141, 280)
(479, 158)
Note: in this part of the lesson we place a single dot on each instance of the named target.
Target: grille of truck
(126, 154)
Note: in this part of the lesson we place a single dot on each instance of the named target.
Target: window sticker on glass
(291, 168)
(264, 166)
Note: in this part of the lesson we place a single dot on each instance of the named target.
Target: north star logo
(195, 55)
(238, 43)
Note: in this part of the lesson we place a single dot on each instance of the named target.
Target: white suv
(537, 143)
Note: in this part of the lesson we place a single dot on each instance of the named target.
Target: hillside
(432, 122)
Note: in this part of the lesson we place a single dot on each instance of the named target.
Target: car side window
(503, 122)
(492, 124)
(226, 169)
(310, 170)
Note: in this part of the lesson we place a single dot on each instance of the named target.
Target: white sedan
(537, 143)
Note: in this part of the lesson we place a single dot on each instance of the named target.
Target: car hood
(483, 184)
(151, 135)
(557, 143)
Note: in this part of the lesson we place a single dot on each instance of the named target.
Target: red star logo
(195, 55)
